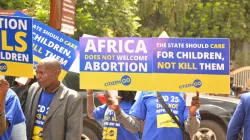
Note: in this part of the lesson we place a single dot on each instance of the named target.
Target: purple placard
(132, 55)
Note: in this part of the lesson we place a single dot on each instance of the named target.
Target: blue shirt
(14, 113)
(240, 119)
(42, 111)
(114, 130)
(158, 124)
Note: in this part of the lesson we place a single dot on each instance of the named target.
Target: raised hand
(195, 104)
(111, 103)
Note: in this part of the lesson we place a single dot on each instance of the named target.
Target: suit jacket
(64, 118)
(240, 119)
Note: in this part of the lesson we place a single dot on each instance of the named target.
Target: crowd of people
(51, 111)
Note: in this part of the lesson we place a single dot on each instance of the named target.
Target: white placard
(22, 80)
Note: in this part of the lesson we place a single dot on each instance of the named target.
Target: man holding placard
(159, 124)
(172, 66)
(112, 129)
(15, 53)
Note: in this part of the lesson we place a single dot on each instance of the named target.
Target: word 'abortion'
(190, 55)
(116, 66)
(116, 46)
(20, 24)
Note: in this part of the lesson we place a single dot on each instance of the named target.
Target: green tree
(39, 9)
(219, 19)
(159, 15)
(13, 4)
(114, 18)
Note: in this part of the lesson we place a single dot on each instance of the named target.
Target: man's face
(44, 75)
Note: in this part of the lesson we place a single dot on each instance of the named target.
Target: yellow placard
(18, 69)
(155, 64)
(192, 82)
(116, 81)
(16, 53)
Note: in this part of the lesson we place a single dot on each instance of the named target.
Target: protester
(112, 129)
(21, 89)
(53, 111)
(158, 124)
(10, 110)
(240, 119)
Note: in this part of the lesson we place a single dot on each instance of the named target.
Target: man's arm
(90, 104)
(74, 121)
(236, 122)
(131, 123)
(192, 115)
(192, 124)
(4, 86)
(3, 123)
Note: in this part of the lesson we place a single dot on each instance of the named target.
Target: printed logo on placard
(197, 84)
(111, 132)
(3, 67)
(125, 80)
